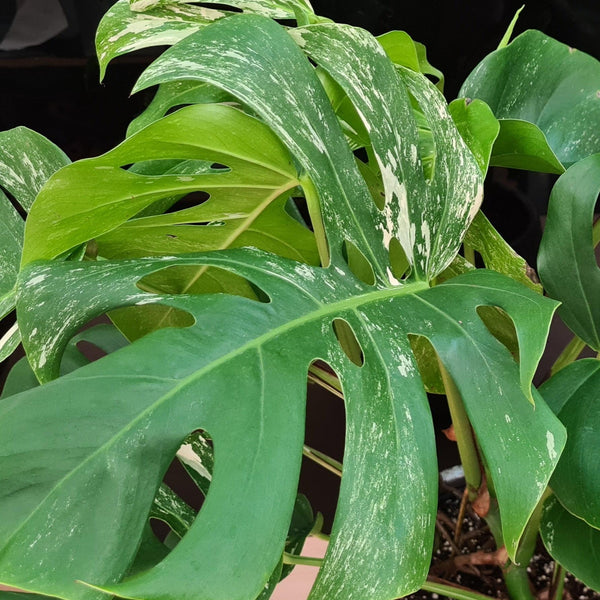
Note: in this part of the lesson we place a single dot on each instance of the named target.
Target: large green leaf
(259, 172)
(566, 261)
(434, 211)
(130, 26)
(547, 84)
(124, 30)
(27, 160)
(523, 145)
(176, 94)
(238, 371)
(574, 395)
(571, 542)
(164, 379)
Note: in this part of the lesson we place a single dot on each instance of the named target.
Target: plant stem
(314, 210)
(558, 583)
(469, 254)
(452, 591)
(464, 434)
(307, 561)
(596, 233)
(517, 582)
(515, 574)
(325, 379)
(568, 355)
(322, 459)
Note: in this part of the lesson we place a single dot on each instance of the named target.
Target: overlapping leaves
(27, 160)
(239, 372)
(546, 97)
(566, 261)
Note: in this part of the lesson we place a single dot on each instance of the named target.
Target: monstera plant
(296, 201)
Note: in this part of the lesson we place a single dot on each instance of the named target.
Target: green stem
(517, 582)
(307, 561)
(314, 210)
(322, 459)
(515, 574)
(596, 233)
(325, 379)
(469, 253)
(452, 592)
(467, 448)
(568, 355)
(558, 582)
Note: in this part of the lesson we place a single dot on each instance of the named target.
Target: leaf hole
(325, 434)
(200, 279)
(183, 489)
(501, 326)
(137, 321)
(358, 263)
(348, 342)
(398, 262)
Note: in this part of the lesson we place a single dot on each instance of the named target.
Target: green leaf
(259, 172)
(340, 50)
(571, 542)
(297, 323)
(573, 395)
(20, 596)
(497, 254)
(104, 337)
(69, 467)
(174, 94)
(11, 244)
(27, 159)
(196, 455)
(150, 552)
(523, 145)
(403, 50)
(172, 510)
(509, 30)
(124, 29)
(307, 126)
(566, 260)
(541, 81)
(477, 126)
(128, 26)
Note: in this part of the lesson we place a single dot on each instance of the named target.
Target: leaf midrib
(254, 344)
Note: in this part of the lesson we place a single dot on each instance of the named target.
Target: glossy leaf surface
(544, 82)
(566, 261)
(523, 145)
(305, 300)
(497, 254)
(435, 210)
(478, 127)
(572, 542)
(574, 395)
(111, 451)
(258, 172)
(123, 29)
(27, 160)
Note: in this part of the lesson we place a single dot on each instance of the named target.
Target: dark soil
(485, 579)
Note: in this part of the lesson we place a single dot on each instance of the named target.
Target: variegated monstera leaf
(87, 452)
